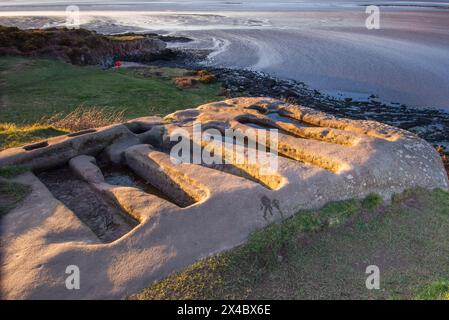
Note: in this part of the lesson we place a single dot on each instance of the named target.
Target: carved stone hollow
(113, 203)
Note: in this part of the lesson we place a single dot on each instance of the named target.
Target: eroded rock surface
(191, 210)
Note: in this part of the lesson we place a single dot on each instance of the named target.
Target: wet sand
(326, 46)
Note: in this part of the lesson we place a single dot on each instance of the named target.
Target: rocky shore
(88, 47)
(428, 123)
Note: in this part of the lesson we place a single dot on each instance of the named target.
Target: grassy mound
(81, 46)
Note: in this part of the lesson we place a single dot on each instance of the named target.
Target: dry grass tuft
(185, 82)
(84, 118)
(206, 77)
(12, 135)
(190, 79)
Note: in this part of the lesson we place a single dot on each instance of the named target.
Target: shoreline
(431, 124)
(150, 48)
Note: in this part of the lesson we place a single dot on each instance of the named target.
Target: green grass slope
(323, 254)
(35, 88)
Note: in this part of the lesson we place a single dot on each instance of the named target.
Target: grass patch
(11, 195)
(12, 135)
(12, 171)
(85, 118)
(323, 254)
(41, 88)
(46, 98)
(126, 37)
(438, 290)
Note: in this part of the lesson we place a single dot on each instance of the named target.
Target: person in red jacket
(117, 64)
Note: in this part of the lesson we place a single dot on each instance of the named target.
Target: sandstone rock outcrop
(192, 210)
